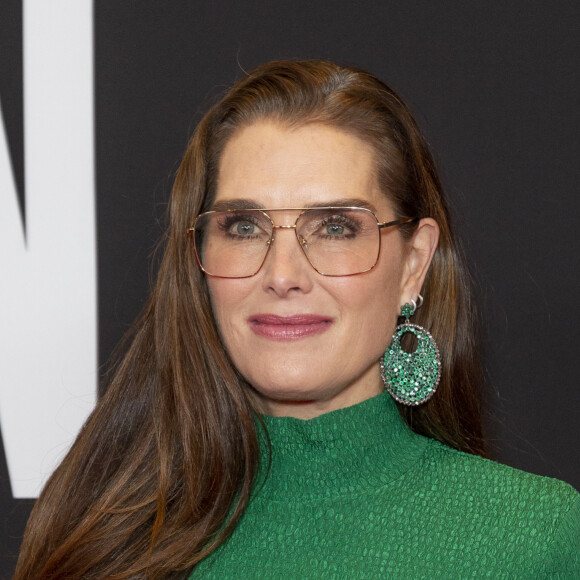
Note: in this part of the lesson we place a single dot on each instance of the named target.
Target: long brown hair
(164, 466)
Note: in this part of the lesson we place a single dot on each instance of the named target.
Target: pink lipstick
(293, 327)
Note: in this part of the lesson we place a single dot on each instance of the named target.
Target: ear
(420, 250)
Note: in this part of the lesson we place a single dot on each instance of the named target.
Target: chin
(287, 393)
(290, 390)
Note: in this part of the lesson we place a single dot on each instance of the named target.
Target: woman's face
(307, 343)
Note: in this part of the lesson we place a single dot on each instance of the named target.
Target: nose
(286, 269)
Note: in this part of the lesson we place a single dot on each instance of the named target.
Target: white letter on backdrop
(48, 328)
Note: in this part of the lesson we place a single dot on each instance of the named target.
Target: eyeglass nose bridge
(301, 240)
(275, 227)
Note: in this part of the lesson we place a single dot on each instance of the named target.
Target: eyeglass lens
(336, 241)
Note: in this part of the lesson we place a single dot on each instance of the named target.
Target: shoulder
(541, 515)
(499, 480)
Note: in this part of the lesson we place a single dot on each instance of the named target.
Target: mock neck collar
(345, 451)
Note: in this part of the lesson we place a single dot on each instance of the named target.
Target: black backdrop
(493, 85)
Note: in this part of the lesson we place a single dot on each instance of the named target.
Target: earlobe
(421, 248)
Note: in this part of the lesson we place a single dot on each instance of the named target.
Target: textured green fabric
(355, 494)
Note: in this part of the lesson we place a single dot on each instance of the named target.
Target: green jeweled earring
(411, 378)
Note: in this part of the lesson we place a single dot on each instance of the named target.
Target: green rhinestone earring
(411, 378)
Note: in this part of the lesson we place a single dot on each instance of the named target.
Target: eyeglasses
(337, 241)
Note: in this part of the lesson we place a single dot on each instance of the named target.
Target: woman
(247, 431)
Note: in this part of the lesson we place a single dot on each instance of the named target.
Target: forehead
(277, 166)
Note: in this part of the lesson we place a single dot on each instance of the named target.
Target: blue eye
(334, 230)
(245, 228)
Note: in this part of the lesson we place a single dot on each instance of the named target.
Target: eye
(331, 225)
(335, 230)
(338, 226)
(244, 228)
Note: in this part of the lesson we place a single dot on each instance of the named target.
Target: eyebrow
(233, 204)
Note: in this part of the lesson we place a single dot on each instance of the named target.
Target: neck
(340, 450)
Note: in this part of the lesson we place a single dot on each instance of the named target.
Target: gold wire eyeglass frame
(380, 225)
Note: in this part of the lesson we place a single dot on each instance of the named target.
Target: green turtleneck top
(356, 494)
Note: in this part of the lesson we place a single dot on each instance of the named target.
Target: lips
(293, 327)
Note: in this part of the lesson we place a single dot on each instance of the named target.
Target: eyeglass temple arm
(397, 222)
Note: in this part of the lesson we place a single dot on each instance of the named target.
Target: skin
(279, 167)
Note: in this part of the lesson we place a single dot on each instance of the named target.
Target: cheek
(226, 298)
(376, 301)
(370, 305)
